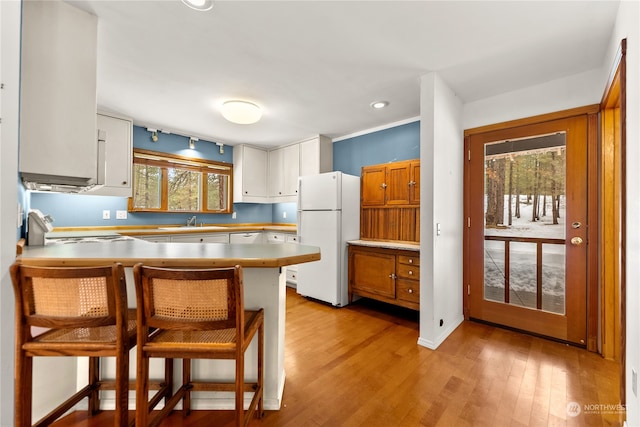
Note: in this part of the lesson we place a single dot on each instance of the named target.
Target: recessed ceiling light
(241, 112)
(379, 104)
(202, 5)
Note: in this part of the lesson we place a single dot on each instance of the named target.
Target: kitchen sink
(195, 228)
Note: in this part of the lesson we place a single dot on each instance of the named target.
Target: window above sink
(170, 183)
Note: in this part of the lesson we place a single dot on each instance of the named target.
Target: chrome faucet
(191, 221)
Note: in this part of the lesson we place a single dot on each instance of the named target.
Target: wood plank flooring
(361, 366)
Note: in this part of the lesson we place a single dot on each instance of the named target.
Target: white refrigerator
(328, 216)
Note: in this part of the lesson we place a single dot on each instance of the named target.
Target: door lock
(576, 224)
(576, 241)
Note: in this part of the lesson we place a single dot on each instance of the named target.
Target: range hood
(58, 102)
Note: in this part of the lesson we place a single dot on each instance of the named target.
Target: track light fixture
(221, 146)
(154, 134)
(192, 142)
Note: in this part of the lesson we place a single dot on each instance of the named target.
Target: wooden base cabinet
(384, 274)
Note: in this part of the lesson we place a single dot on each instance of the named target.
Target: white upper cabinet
(58, 94)
(316, 156)
(114, 155)
(261, 176)
(249, 175)
(284, 165)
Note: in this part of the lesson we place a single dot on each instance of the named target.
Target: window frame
(166, 161)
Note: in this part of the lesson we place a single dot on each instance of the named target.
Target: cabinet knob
(392, 276)
(410, 273)
(383, 185)
(410, 291)
(412, 183)
(410, 261)
(124, 182)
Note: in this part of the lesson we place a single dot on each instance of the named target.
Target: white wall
(570, 92)
(627, 26)
(441, 182)
(9, 75)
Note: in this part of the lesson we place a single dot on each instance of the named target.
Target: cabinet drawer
(408, 271)
(411, 260)
(408, 290)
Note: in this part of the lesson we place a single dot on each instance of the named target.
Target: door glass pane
(553, 285)
(522, 274)
(524, 209)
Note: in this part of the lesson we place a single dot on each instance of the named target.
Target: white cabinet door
(290, 169)
(276, 172)
(201, 238)
(274, 237)
(116, 159)
(316, 156)
(246, 238)
(249, 174)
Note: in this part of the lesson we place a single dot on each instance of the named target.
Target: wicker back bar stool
(196, 314)
(75, 311)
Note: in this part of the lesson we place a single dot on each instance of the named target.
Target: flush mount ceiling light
(201, 5)
(379, 104)
(241, 112)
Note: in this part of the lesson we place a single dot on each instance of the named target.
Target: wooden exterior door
(526, 252)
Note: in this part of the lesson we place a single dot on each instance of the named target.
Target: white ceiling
(316, 66)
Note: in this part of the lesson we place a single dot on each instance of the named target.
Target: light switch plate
(106, 214)
(121, 214)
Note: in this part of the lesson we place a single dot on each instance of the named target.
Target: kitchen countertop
(386, 244)
(170, 254)
(150, 230)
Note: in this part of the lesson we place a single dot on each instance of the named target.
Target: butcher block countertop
(170, 254)
(169, 229)
(386, 244)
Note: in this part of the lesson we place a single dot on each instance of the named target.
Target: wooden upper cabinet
(391, 184)
(398, 183)
(414, 183)
(373, 185)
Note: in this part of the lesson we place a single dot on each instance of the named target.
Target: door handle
(577, 241)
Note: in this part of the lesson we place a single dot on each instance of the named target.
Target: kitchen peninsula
(264, 286)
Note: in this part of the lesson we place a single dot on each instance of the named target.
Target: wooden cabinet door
(373, 185)
(414, 183)
(398, 184)
(373, 273)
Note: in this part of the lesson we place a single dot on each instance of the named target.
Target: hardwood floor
(361, 366)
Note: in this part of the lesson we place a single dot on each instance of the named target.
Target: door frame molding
(592, 112)
(613, 149)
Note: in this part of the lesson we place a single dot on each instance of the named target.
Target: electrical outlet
(284, 214)
(121, 214)
(106, 214)
(233, 215)
(634, 382)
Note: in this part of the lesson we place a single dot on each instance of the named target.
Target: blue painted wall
(349, 155)
(387, 145)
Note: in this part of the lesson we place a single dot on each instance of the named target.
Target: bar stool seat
(196, 314)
